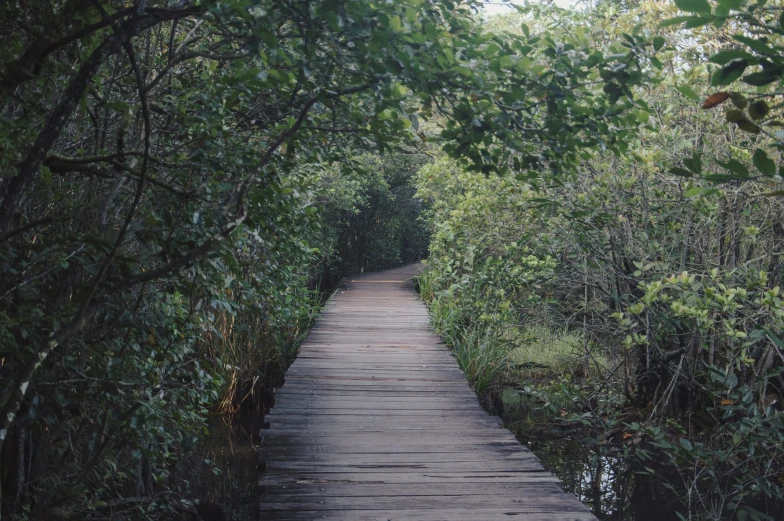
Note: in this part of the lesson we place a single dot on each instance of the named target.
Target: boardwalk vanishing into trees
(376, 422)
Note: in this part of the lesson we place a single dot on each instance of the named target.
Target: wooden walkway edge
(376, 422)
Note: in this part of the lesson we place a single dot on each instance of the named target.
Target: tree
(148, 188)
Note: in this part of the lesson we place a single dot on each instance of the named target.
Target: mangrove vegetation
(596, 192)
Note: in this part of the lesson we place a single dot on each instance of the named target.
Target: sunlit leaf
(700, 191)
(688, 92)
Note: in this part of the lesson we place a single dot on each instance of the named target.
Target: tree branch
(70, 99)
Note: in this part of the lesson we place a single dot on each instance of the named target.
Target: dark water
(610, 485)
(230, 478)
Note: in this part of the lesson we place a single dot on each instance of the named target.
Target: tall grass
(480, 355)
(540, 351)
(498, 354)
(255, 350)
(478, 348)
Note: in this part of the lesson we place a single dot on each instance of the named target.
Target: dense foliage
(377, 224)
(638, 296)
(178, 178)
(168, 212)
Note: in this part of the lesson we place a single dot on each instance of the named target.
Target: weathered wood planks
(376, 422)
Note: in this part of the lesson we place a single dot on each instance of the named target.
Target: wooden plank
(372, 402)
(379, 458)
(373, 416)
(437, 467)
(398, 414)
(376, 422)
(345, 443)
(374, 490)
(536, 504)
(272, 450)
(392, 477)
(484, 514)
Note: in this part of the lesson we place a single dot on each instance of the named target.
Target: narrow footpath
(376, 422)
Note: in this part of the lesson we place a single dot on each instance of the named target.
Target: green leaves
(763, 163)
(731, 4)
(758, 110)
(688, 92)
(738, 100)
(508, 61)
(760, 45)
(725, 56)
(700, 191)
(395, 23)
(694, 163)
(694, 6)
(613, 91)
(680, 172)
(729, 73)
(738, 118)
(765, 77)
(689, 22)
(736, 167)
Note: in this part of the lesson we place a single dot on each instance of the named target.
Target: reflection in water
(230, 477)
(610, 486)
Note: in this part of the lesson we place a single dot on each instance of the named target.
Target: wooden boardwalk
(376, 422)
